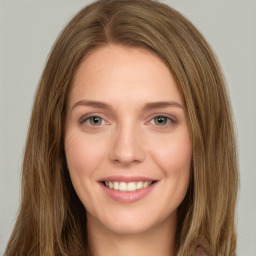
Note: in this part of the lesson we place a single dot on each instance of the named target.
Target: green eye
(161, 120)
(95, 120)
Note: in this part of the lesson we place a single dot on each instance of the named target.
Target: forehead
(116, 72)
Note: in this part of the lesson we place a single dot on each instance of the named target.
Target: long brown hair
(52, 220)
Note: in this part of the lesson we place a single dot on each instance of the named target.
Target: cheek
(173, 153)
(176, 158)
(173, 156)
(82, 156)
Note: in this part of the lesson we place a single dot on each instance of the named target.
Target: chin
(132, 223)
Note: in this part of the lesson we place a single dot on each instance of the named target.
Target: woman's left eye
(161, 120)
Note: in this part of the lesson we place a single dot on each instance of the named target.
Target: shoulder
(200, 251)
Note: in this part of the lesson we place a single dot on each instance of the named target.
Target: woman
(131, 148)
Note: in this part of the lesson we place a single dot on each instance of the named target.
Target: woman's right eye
(94, 121)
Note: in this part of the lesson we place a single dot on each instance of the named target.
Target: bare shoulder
(200, 251)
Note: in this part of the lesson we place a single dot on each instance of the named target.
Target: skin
(128, 142)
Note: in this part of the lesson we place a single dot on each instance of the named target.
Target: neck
(159, 240)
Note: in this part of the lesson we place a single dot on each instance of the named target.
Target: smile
(125, 189)
(127, 186)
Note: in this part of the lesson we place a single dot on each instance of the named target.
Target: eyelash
(169, 120)
(84, 119)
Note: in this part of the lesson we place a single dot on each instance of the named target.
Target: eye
(161, 120)
(94, 120)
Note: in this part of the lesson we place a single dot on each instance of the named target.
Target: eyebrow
(90, 103)
(147, 106)
(162, 104)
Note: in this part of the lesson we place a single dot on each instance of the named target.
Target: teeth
(131, 186)
(122, 186)
(127, 186)
(116, 185)
(145, 184)
(140, 185)
(110, 185)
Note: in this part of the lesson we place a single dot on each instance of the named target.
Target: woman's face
(127, 141)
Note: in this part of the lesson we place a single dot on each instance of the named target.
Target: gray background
(28, 29)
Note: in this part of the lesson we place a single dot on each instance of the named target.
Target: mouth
(127, 189)
(128, 186)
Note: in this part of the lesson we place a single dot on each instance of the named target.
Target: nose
(127, 146)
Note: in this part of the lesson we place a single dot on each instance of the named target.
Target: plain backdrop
(28, 28)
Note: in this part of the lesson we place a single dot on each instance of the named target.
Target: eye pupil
(95, 120)
(160, 120)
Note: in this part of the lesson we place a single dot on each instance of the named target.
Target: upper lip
(120, 178)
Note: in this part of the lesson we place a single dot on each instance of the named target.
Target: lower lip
(127, 196)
